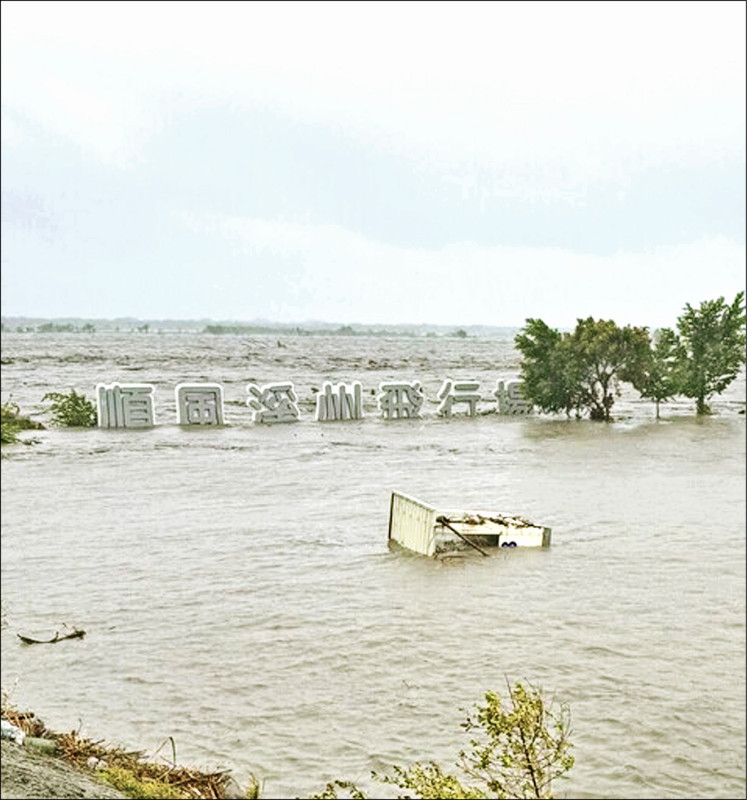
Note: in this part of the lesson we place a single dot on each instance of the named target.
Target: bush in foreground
(517, 749)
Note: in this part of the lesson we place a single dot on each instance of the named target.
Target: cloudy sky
(449, 163)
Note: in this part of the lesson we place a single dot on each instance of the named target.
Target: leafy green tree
(550, 378)
(72, 410)
(655, 374)
(601, 353)
(579, 370)
(711, 348)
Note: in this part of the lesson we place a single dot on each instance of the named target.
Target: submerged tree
(602, 353)
(655, 375)
(579, 370)
(551, 380)
(711, 348)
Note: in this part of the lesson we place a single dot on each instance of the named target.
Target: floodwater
(238, 593)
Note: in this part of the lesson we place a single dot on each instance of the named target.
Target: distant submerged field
(252, 328)
(238, 593)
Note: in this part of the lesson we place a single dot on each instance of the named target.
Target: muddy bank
(28, 774)
(50, 764)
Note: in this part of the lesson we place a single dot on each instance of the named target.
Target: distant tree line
(54, 327)
(343, 330)
(581, 371)
(69, 327)
(245, 330)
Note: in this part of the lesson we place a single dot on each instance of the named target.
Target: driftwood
(76, 634)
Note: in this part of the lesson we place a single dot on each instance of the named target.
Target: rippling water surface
(238, 593)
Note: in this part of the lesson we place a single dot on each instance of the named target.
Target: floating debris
(422, 528)
(74, 634)
(12, 732)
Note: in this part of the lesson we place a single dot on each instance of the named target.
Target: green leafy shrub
(12, 422)
(430, 782)
(8, 433)
(517, 750)
(521, 747)
(330, 791)
(72, 410)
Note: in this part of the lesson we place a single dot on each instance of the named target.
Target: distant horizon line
(20, 318)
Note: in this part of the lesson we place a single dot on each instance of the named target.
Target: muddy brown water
(238, 593)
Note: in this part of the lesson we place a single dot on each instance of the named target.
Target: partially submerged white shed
(424, 529)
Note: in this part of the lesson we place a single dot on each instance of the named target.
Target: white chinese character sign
(400, 400)
(125, 405)
(511, 399)
(273, 402)
(452, 392)
(341, 402)
(131, 405)
(199, 404)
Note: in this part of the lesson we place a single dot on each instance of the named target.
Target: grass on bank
(129, 771)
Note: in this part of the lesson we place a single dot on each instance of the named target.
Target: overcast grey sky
(439, 162)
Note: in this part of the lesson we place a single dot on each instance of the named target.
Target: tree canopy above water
(582, 370)
(710, 348)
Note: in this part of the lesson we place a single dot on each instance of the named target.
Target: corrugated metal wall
(412, 524)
